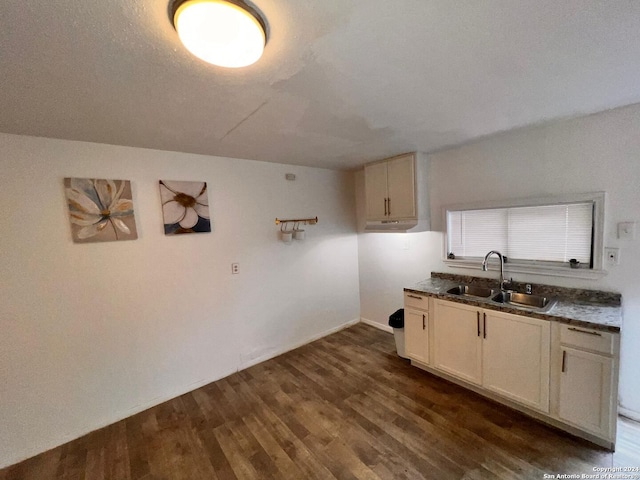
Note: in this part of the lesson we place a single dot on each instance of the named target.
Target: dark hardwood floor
(343, 407)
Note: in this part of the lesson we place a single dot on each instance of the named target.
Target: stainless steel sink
(524, 300)
(471, 291)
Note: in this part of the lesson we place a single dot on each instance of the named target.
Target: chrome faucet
(485, 268)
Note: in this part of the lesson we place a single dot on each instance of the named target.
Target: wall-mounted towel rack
(309, 221)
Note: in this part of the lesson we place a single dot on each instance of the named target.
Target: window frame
(535, 266)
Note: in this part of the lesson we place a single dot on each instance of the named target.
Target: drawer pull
(484, 325)
(414, 296)
(564, 360)
(584, 331)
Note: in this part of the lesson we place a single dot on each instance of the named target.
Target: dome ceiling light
(227, 33)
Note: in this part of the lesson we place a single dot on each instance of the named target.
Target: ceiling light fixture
(227, 33)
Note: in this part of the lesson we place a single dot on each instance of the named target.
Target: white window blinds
(550, 233)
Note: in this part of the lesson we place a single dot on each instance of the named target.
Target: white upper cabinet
(401, 201)
(396, 194)
(376, 191)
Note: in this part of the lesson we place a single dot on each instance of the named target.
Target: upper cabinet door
(401, 186)
(375, 176)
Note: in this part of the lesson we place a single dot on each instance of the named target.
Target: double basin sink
(528, 301)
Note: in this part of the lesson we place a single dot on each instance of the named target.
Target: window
(538, 233)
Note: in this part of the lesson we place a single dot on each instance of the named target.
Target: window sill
(559, 271)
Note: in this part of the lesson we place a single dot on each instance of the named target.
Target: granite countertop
(585, 308)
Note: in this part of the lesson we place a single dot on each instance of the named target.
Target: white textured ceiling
(341, 82)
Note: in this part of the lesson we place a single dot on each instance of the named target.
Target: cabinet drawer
(588, 339)
(416, 300)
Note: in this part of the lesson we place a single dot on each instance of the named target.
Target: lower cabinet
(585, 390)
(504, 353)
(457, 341)
(587, 386)
(563, 374)
(515, 358)
(416, 335)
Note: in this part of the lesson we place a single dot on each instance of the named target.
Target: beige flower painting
(100, 210)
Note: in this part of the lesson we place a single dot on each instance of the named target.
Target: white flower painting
(185, 207)
(100, 210)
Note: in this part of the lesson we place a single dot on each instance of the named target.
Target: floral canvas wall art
(100, 210)
(185, 207)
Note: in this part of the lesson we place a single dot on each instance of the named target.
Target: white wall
(91, 333)
(388, 262)
(596, 153)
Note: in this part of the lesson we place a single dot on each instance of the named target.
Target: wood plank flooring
(343, 407)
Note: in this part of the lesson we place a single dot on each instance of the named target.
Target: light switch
(627, 230)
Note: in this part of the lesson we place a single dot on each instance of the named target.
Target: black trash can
(396, 321)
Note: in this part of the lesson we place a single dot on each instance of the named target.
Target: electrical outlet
(235, 268)
(612, 255)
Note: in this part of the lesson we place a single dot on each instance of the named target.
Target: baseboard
(129, 412)
(632, 414)
(241, 366)
(288, 348)
(379, 326)
(68, 437)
